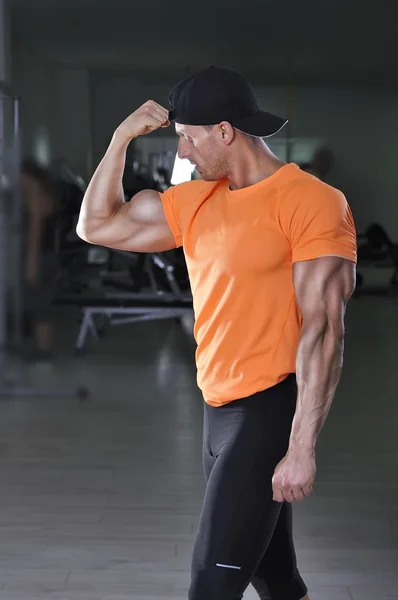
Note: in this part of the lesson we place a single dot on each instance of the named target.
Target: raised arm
(105, 218)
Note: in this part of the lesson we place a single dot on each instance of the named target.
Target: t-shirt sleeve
(169, 202)
(318, 221)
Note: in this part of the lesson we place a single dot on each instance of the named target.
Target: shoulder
(305, 192)
(310, 207)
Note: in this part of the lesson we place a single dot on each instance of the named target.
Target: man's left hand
(294, 476)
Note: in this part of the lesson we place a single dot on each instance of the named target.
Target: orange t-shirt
(240, 246)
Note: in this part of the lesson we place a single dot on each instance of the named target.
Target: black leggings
(244, 536)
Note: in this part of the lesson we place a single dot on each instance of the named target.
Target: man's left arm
(323, 287)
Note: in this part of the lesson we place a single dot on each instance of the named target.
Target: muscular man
(271, 254)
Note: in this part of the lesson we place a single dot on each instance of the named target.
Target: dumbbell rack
(11, 300)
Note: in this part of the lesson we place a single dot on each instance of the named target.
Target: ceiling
(311, 41)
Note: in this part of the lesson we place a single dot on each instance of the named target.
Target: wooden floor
(100, 500)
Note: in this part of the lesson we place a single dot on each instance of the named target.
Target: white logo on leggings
(227, 566)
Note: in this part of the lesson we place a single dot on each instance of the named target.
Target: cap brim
(260, 124)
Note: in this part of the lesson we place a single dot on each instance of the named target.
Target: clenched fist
(149, 117)
(294, 476)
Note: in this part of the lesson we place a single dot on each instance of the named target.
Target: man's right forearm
(104, 194)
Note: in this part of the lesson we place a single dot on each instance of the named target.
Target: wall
(5, 42)
(115, 96)
(71, 109)
(6, 113)
(55, 110)
(361, 127)
(80, 111)
(34, 83)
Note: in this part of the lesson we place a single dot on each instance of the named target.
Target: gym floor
(100, 500)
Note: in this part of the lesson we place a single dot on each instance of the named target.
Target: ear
(226, 132)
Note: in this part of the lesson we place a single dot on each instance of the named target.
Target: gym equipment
(11, 305)
(168, 299)
(90, 271)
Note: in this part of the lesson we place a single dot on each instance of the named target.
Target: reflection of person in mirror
(40, 263)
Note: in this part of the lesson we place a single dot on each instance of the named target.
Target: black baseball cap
(220, 94)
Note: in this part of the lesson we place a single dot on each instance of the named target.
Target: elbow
(85, 233)
(81, 231)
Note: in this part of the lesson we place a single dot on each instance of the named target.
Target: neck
(256, 162)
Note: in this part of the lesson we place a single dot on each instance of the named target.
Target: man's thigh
(236, 525)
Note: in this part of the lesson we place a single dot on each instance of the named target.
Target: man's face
(203, 149)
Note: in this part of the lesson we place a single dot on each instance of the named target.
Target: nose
(182, 149)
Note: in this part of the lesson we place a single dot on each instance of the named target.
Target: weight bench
(122, 309)
(165, 299)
